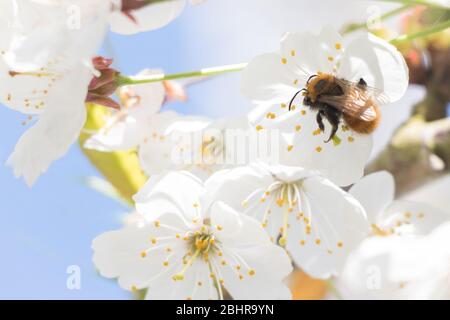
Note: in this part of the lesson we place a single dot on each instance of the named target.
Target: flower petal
(375, 192)
(155, 150)
(412, 218)
(336, 226)
(150, 17)
(149, 96)
(137, 255)
(267, 79)
(342, 160)
(196, 285)
(176, 192)
(305, 55)
(251, 266)
(379, 63)
(57, 128)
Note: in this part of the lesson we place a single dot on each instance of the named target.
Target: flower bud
(104, 85)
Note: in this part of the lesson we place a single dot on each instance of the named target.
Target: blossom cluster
(216, 218)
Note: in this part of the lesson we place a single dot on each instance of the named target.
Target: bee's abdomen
(361, 126)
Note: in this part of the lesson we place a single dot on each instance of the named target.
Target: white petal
(246, 246)
(342, 160)
(121, 132)
(176, 192)
(412, 218)
(149, 96)
(366, 273)
(196, 285)
(233, 228)
(155, 151)
(148, 18)
(305, 54)
(120, 254)
(332, 42)
(375, 192)
(233, 186)
(379, 63)
(337, 220)
(57, 128)
(267, 79)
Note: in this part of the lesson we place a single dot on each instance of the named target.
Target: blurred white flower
(167, 141)
(186, 252)
(135, 16)
(142, 124)
(317, 222)
(368, 271)
(45, 69)
(224, 143)
(388, 217)
(400, 268)
(272, 80)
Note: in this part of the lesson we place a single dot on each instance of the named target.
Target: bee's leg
(334, 118)
(319, 120)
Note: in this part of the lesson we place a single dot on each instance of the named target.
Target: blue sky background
(45, 229)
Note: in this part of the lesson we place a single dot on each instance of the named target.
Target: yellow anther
(178, 277)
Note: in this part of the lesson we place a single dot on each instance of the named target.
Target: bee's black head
(307, 101)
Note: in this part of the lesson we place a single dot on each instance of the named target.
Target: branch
(418, 152)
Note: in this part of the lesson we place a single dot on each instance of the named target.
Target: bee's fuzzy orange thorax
(311, 86)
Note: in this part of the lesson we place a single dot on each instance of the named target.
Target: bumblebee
(337, 99)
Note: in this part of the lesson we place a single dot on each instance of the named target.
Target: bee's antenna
(295, 96)
(309, 79)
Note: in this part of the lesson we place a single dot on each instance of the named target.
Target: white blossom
(395, 224)
(317, 222)
(186, 251)
(273, 79)
(47, 78)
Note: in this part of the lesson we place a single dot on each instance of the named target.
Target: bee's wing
(356, 101)
(373, 93)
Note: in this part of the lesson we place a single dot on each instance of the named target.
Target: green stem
(416, 2)
(387, 15)
(207, 72)
(408, 37)
(214, 71)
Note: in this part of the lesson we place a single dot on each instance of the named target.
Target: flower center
(201, 244)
